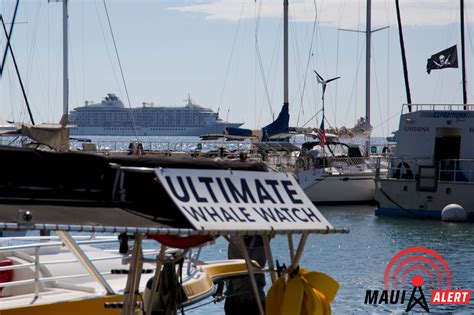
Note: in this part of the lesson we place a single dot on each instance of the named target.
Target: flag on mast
(322, 134)
(447, 58)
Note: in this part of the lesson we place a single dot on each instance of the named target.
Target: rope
(231, 55)
(121, 70)
(310, 53)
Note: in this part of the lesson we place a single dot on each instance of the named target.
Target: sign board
(241, 200)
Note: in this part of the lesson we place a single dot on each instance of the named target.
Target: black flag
(447, 58)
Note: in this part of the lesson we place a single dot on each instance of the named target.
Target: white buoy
(454, 213)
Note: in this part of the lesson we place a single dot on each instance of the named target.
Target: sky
(227, 54)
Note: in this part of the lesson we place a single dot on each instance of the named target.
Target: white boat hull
(401, 198)
(330, 188)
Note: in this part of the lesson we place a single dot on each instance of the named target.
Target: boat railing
(449, 170)
(401, 168)
(29, 257)
(445, 107)
(181, 146)
(456, 170)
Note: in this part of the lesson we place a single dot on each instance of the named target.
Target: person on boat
(241, 299)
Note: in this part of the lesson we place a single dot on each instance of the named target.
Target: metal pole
(154, 285)
(368, 35)
(250, 267)
(299, 251)
(285, 52)
(268, 254)
(291, 246)
(65, 118)
(84, 260)
(404, 59)
(36, 272)
(133, 279)
(463, 58)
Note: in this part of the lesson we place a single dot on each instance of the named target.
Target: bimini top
(84, 192)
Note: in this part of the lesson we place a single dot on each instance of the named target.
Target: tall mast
(285, 52)
(368, 36)
(404, 59)
(463, 59)
(65, 118)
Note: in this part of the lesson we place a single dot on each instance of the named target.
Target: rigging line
(388, 119)
(121, 70)
(83, 54)
(309, 120)
(440, 80)
(17, 72)
(108, 51)
(10, 33)
(73, 73)
(310, 52)
(296, 61)
(357, 71)
(388, 67)
(337, 57)
(354, 87)
(219, 104)
(274, 61)
(377, 87)
(262, 72)
(33, 44)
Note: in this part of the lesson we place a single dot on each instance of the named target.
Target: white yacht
(111, 118)
(324, 172)
(433, 163)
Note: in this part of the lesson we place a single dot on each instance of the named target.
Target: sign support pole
(250, 267)
(268, 253)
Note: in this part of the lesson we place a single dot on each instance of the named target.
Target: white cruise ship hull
(152, 131)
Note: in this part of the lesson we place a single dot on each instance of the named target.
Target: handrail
(447, 107)
(447, 170)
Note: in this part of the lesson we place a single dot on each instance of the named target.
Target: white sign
(241, 200)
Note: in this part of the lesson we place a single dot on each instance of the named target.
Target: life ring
(301, 163)
(408, 174)
(182, 242)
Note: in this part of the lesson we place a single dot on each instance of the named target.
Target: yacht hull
(329, 188)
(401, 198)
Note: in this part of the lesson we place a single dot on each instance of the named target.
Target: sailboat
(55, 136)
(327, 168)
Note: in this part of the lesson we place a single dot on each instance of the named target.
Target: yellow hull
(79, 307)
(194, 289)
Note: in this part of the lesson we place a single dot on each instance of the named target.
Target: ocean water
(358, 260)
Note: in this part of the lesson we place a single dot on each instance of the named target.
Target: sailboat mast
(65, 119)
(368, 36)
(285, 52)
(463, 59)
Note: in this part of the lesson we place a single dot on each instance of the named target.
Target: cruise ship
(111, 118)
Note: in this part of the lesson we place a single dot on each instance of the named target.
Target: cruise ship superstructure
(111, 118)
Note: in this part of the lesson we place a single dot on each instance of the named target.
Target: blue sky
(171, 48)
